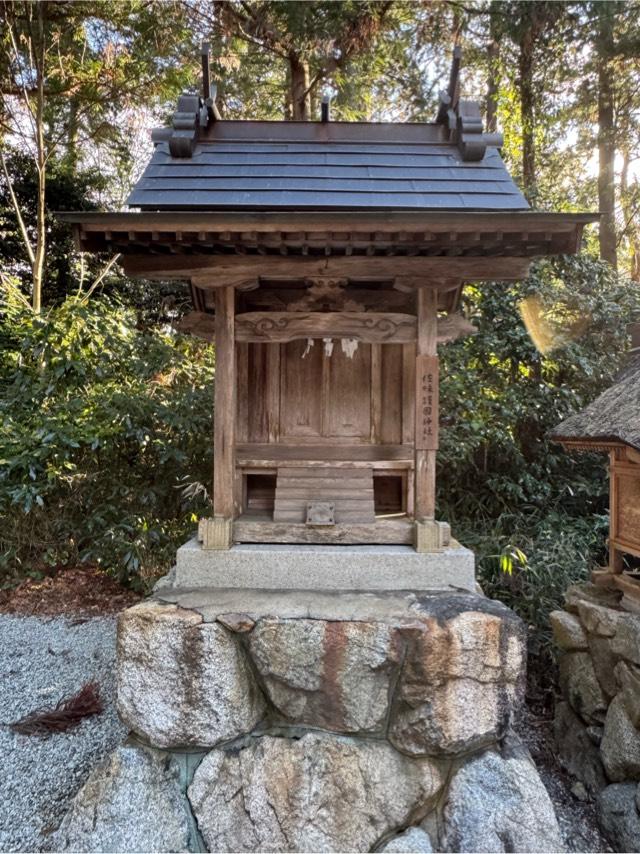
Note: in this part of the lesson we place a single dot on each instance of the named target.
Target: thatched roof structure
(612, 418)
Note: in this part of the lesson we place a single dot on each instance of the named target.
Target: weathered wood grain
(384, 531)
(370, 327)
(225, 406)
(215, 271)
(425, 465)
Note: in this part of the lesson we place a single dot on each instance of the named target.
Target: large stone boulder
(618, 816)
(181, 681)
(468, 655)
(578, 753)
(620, 746)
(567, 631)
(131, 803)
(498, 803)
(332, 674)
(316, 793)
(580, 686)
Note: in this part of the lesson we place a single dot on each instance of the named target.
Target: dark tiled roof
(614, 416)
(391, 167)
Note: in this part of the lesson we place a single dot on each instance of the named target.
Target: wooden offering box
(326, 261)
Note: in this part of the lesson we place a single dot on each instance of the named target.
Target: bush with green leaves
(534, 513)
(102, 426)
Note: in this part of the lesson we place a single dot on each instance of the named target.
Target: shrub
(534, 513)
(101, 425)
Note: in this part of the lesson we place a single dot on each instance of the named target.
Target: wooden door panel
(301, 390)
(347, 394)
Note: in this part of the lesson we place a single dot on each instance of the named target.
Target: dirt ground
(80, 592)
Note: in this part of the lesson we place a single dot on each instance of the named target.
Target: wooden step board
(350, 489)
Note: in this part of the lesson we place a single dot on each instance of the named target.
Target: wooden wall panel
(301, 391)
(347, 394)
(391, 395)
(263, 392)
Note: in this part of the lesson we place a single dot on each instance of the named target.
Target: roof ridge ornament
(463, 119)
(193, 112)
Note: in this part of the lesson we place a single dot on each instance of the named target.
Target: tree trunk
(40, 247)
(527, 103)
(300, 100)
(493, 57)
(630, 228)
(606, 135)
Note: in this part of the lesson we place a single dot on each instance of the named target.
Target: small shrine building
(326, 261)
(611, 423)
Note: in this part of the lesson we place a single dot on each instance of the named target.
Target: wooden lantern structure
(611, 423)
(326, 260)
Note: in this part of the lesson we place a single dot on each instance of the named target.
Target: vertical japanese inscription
(427, 395)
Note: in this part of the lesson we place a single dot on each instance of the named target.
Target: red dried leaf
(66, 714)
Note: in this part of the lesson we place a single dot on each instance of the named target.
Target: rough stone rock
(318, 793)
(580, 686)
(567, 631)
(627, 678)
(412, 841)
(595, 733)
(588, 592)
(620, 747)
(470, 656)
(240, 623)
(336, 675)
(131, 803)
(604, 663)
(618, 816)
(182, 682)
(577, 752)
(498, 803)
(597, 619)
(626, 642)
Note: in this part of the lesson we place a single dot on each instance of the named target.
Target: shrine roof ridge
(612, 418)
(205, 162)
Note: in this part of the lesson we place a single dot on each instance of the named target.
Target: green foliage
(533, 512)
(101, 424)
(554, 550)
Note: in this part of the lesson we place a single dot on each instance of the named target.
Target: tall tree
(67, 72)
(605, 49)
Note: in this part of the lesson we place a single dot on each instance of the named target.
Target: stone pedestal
(299, 567)
(597, 722)
(317, 720)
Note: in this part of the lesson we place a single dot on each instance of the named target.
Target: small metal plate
(321, 513)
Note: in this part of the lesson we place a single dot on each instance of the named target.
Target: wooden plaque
(426, 403)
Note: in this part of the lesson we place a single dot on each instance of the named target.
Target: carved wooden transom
(326, 295)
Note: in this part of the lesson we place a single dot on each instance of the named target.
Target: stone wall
(298, 721)
(597, 721)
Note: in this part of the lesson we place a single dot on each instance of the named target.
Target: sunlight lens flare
(550, 328)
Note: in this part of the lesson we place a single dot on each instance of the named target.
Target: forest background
(106, 412)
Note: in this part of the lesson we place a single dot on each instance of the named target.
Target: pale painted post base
(215, 533)
(432, 536)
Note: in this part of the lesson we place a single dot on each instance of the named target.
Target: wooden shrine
(611, 423)
(326, 260)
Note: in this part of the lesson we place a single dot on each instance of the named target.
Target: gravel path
(41, 661)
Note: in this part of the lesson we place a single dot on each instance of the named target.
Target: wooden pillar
(616, 562)
(218, 534)
(430, 535)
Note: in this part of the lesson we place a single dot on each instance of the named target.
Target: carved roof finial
(463, 119)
